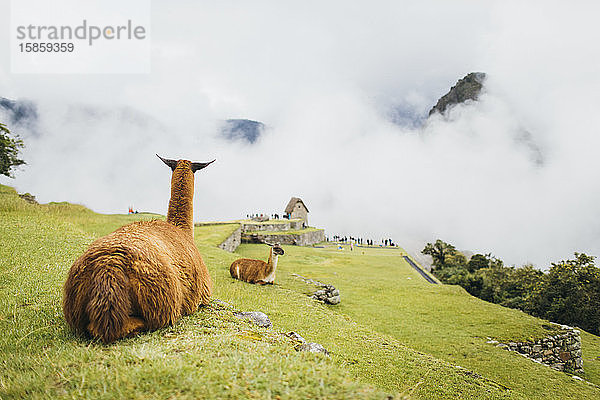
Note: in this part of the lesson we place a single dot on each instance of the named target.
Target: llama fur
(144, 275)
(257, 271)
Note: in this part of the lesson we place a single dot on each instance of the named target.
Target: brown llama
(257, 271)
(144, 275)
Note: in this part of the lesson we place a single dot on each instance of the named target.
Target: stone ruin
(561, 352)
(327, 294)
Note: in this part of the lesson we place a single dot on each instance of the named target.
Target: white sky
(324, 76)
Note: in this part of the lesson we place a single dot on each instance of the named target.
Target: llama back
(143, 275)
(166, 246)
(159, 248)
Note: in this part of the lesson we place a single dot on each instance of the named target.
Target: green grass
(381, 291)
(591, 356)
(210, 354)
(390, 334)
(213, 235)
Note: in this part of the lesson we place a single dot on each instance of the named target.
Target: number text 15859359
(37, 47)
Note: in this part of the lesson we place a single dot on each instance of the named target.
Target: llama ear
(171, 163)
(198, 165)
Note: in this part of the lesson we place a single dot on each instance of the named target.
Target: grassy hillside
(378, 336)
(381, 291)
(208, 355)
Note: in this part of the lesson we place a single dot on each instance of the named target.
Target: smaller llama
(257, 271)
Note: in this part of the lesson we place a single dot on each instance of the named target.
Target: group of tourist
(266, 217)
(351, 240)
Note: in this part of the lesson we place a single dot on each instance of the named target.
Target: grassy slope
(213, 355)
(381, 291)
(370, 356)
(208, 355)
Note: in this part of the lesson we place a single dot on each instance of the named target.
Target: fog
(515, 174)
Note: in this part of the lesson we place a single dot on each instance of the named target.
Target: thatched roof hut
(297, 209)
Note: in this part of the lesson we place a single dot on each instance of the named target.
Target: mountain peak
(242, 129)
(467, 88)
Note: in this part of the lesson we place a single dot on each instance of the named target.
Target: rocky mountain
(24, 114)
(242, 129)
(18, 112)
(407, 117)
(467, 88)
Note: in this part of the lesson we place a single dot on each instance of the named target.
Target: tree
(9, 152)
(507, 286)
(478, 261)
(570, 294)
(439, 251)
(456, 259)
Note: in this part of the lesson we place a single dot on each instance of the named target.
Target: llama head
(193, 166)
(276, 249)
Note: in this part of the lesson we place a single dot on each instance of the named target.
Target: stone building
(297, 209)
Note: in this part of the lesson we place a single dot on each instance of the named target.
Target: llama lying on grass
(144, 275)
(257, 271)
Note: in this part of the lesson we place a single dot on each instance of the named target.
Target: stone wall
(273, 227)
(300, 212)
(233, 241)
(299, 239)
(327, 294)
(561, 352)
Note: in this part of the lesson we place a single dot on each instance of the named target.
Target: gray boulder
(313, 348)
(306, 346)
(256, 317)
(327, 294)
(295, 336)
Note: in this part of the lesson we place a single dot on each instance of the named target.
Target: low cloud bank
(514, 174)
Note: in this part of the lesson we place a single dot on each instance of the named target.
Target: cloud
(324, 78)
